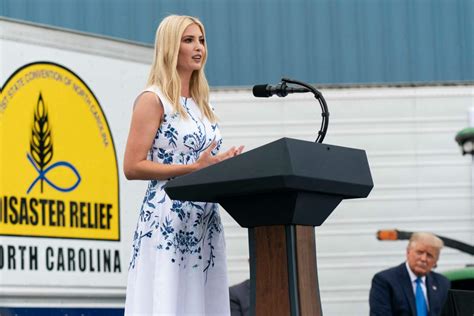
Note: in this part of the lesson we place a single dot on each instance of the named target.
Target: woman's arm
(146, 119)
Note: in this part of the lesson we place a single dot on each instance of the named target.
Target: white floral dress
(178, 263)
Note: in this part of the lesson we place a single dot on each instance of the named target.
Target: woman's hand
(206, 158)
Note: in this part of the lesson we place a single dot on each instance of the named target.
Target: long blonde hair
(164, 73)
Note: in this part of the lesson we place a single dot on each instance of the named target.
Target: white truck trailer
(67, 213)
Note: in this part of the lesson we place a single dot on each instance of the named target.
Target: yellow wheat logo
(41, 150)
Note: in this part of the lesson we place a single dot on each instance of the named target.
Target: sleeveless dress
(178, 262)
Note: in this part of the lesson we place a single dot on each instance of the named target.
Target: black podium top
(280, 183)
(285, 164)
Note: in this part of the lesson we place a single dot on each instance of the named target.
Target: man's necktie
(421, 309)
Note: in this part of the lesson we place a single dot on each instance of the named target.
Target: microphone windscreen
(260, 91)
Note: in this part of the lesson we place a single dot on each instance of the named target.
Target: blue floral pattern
(188, 232)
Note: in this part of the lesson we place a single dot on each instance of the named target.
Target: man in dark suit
(240, 299)
(411, 289)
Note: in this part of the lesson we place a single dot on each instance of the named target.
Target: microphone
(281, 90)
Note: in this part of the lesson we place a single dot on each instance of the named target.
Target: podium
(459, 303)
(280, 191)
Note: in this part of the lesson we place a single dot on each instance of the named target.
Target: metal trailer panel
(318, 41)
(421, 180)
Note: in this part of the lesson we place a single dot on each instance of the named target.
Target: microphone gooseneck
(282, 90)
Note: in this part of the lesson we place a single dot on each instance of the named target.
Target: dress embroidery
(188, 226)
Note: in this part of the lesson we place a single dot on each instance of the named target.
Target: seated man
(411, 288)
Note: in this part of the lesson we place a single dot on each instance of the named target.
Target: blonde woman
(178, 264)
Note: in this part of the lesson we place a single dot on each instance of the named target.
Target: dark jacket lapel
(432, 291)
(407, 287)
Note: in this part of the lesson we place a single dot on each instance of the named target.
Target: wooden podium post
(284, 278)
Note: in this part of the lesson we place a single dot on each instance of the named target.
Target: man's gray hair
(426, 238)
